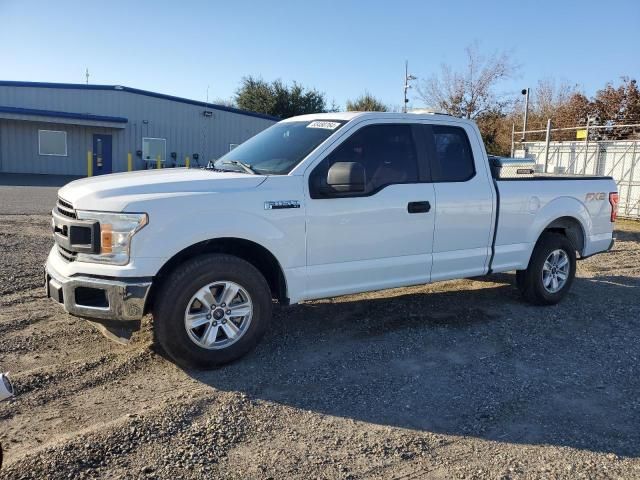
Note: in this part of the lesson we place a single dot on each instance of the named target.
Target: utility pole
(591, 119)
(525, 92)
(546, 147)
(86, 74)
(513, 133)
(407, 79)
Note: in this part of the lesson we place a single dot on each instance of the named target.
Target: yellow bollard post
(129, 161)
(158, 165)
(186, 161)
(89, 164)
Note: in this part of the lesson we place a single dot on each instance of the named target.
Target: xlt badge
(281, 204)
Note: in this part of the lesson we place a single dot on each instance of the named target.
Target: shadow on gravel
(463, 362)
(627, 235)
(34, 180)
(22, 194)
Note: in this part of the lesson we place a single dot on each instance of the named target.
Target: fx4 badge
(281, 204)
(592, 196)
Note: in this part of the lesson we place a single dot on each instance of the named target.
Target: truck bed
(545, 176)
(527, 205)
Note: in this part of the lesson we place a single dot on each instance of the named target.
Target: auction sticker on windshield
(325, 125)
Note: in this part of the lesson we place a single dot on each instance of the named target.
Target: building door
(101, 154)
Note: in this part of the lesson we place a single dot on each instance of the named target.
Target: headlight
(116, 231)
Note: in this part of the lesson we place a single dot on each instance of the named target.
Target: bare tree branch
(472, 91)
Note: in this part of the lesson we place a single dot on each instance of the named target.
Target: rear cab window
(451, 154)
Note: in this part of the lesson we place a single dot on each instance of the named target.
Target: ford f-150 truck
(314, 206)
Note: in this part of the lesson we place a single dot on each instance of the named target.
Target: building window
(154, 147)
(52, 142)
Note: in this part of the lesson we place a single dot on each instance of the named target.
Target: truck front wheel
(211, 310)
(551, 270)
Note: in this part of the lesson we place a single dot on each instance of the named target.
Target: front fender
(174, 226)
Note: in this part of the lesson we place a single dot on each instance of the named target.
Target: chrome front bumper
(98, 298)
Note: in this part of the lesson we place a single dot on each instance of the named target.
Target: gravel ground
(460, 379)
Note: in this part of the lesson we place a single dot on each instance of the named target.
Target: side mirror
(346, 177)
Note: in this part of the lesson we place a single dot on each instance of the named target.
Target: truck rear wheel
(551, 270)
(211, 310)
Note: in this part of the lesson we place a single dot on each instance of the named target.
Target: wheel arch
(254, 253)
(571, 228)
(565, 215)
(567, 225)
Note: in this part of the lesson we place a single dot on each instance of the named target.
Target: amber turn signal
(106, 238)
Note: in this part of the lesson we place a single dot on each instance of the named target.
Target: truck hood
(115, 191)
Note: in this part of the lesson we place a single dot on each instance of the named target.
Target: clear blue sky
(338, 47)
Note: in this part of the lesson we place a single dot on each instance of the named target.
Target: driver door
(380, 237)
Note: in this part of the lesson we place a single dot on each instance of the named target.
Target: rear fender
(559, 208)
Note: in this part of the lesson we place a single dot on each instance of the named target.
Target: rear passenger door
(464, 202)
(378, 238)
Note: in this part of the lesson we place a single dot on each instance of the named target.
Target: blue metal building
(71, 129)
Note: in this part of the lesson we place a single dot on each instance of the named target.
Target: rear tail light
(613, 200)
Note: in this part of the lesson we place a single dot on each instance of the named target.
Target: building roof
(34, 114)
(53, 113)
(120, 88)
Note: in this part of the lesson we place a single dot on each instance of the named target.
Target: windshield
(279, 148)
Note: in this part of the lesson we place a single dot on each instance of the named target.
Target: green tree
(366, 103)
(278, 99)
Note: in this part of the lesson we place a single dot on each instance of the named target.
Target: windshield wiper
(244, 166)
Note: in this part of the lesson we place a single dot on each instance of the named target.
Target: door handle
(418, 207)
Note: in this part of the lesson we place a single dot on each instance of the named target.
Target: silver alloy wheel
(218, 315)
(555, 271)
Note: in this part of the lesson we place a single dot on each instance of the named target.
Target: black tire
(530, 281)
(177, 291)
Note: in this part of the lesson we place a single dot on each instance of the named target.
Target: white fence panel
(617, 159)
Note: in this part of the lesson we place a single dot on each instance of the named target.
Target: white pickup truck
(315, 206)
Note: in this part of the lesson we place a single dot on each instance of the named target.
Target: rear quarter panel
(528, 207)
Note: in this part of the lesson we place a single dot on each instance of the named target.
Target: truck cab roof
(348, 116)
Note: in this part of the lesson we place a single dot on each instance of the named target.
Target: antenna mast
(407, 79)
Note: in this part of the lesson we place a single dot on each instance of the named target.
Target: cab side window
(386, 151)
(453, 160)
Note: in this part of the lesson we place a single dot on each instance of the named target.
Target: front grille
(73, 235)
(65, 208)
(67, 255)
